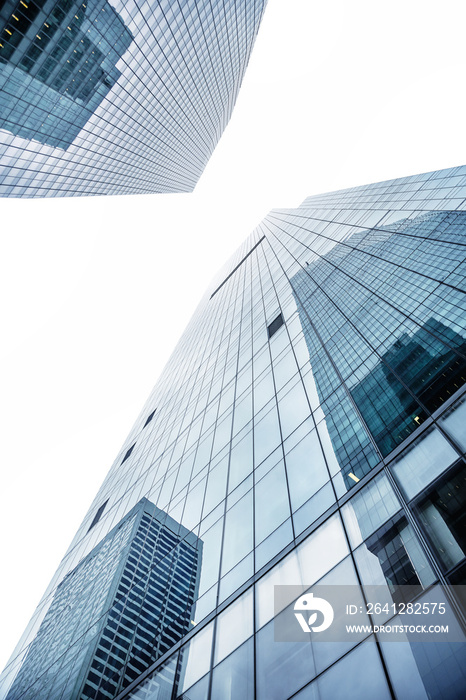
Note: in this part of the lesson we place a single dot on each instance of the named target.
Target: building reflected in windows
(378, 372)
(442, 513)
(391, 544)
(125, 604)
(57, 63)
(417, 370)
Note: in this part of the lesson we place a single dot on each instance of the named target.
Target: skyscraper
(60, 74)
(310, 429)
(120, 609)
(116, 98)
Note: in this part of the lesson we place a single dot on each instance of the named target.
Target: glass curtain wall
(117, 98)
(309, 428)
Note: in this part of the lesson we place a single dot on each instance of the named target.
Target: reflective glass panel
(442, 511)
(428, 457)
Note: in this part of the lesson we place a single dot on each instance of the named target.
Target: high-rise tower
(101, 97)
(125, 605)
(310, 429)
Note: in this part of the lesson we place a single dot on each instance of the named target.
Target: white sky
(97, 291)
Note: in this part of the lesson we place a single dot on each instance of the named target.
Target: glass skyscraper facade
(310, 428)
(117, 98)
(61, 64)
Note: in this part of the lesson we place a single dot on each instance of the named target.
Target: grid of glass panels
(331, 449)
(117, 98)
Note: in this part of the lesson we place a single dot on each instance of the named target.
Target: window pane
(313, 508)
(159, 684)
(193, 506)
(358, 676)
(454, 423)
(243, 412)
(240, 461)
(236, 577)
(443, 514)
(238, 538)
(369, 509)
(211, 544)
(286, 572)
(273, 544)
(282, 667)
(439, 667)
(195, 657)
(233, 679)
(266, 436)
(392, 556)
(325, 653)
(264, 390)
(234, 626)
(294, 408)
(284, 369)
(429, 457)
(271, 501)
(216, 486)
(275, 325)
(306, 469)
(403, 670)
(199, 691)
(322, 550)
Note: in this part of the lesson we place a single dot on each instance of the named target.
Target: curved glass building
(124, 97)
(305, 443)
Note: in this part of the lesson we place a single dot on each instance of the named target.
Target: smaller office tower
(117, 612)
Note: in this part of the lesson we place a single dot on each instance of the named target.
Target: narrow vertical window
(275, 325)
(128, 453)
(149, 418)
(98, 515)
